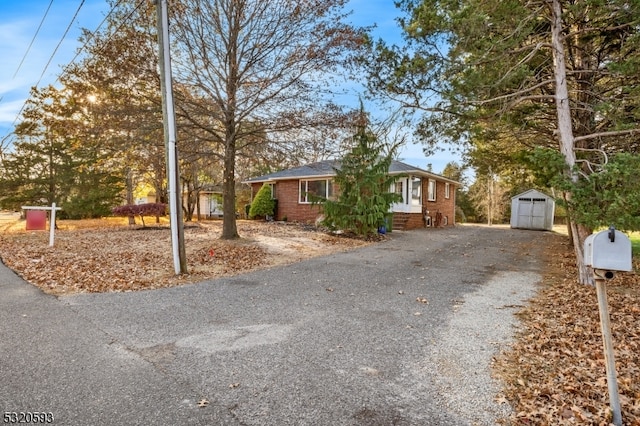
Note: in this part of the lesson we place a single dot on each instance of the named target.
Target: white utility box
(608, 250)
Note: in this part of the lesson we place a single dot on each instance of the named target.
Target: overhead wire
(33, 39)
(51, 57)
(93, 33)
(60, 42)
(30, 44)
(83, 47)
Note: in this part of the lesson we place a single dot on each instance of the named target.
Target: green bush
(263, 205)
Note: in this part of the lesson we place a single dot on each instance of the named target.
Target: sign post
(52, 220)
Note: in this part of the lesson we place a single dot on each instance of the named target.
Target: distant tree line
(252, 96)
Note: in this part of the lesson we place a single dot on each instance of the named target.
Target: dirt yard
(108, 255)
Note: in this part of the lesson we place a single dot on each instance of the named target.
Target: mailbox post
(606, 252)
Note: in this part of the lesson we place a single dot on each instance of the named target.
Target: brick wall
(287, 193)
(406, 221)
(446, 206)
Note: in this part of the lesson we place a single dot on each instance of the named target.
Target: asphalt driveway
(397, 333)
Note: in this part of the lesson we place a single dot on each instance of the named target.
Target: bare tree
(261, 62)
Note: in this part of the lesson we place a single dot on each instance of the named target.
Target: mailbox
(608, 250)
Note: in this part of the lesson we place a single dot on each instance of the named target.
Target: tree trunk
(198, 213)
(229, 227)
(565, 131)
(130, 200)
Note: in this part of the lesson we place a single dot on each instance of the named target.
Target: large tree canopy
(508, 76)
(252, 80)
(263, 67)
(55, 160)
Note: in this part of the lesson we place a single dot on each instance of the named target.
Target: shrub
(263, 205)
(148, 209)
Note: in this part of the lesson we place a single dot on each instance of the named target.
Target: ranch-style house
(428, 199)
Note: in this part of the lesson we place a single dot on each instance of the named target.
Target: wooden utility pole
(170, 137)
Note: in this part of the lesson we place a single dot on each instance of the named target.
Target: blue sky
(19, 21)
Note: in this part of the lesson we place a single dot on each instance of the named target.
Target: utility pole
(170, 137)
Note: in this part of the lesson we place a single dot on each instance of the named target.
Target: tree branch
(606, 134)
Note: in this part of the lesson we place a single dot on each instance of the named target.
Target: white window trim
(431, 196)
(416, 201)
(301, 193)
(447, 190)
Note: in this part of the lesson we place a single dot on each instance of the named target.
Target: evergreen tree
(52, 162)
(508, 76)
(262, 205)
(363, 185)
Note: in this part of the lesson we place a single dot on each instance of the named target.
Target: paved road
(377, 336)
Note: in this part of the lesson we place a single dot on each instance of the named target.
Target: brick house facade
(428, 200)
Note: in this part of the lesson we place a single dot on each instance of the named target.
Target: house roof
(327, 168)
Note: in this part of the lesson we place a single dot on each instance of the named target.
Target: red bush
(148, 209)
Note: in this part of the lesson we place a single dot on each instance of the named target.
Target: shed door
(531, 213)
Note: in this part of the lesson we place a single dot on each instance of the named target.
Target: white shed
(532, 210)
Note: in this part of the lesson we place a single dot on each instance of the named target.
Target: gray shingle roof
(327, 168)
(321, 168)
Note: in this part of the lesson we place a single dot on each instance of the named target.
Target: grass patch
(635, 243)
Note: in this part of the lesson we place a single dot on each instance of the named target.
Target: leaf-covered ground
(555, 371)
(101, 255)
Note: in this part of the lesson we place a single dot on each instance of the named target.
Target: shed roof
(327, 168)
(532, 193)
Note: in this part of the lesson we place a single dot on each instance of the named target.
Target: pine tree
(363, 186)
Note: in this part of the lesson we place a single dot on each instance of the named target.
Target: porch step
(399, 222)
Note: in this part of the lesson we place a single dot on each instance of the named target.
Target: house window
(432, 190)
(398, 188)
(447, 190)
(318, 188)
(416, 185)
(273, 190)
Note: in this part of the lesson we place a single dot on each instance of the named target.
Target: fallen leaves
(100, 256)
(554, 374)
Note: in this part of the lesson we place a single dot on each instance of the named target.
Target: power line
(33, 39)
(60, 42)
(51, 57)
(84, 45)
(93, 33)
